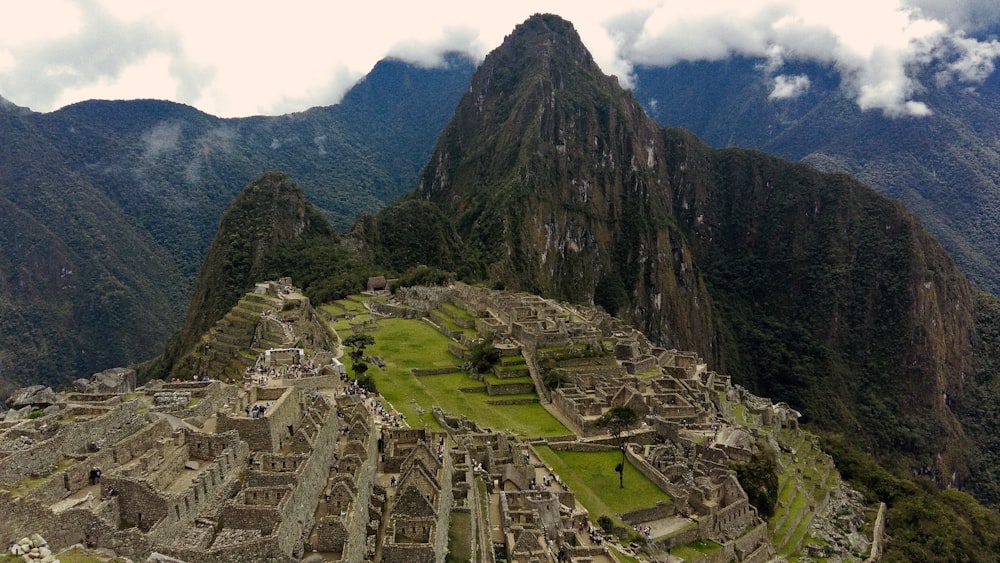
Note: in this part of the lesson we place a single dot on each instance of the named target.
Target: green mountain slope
(79, 280)
(807, 286)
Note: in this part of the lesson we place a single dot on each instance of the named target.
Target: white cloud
(240, 58)
(786, 87)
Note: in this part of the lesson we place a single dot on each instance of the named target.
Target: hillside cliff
(68, 296)
(806, 286)
(943, 166)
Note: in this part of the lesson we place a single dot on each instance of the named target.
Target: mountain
(265, 219)
(111, 205)
(945, 167)
(807, 286)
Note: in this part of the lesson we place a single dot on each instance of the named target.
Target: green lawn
(460, 537)
(695, 550)
(406, 344)
(592, 476)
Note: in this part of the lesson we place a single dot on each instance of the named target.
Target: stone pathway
(78, 498)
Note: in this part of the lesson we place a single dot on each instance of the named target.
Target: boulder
(82, 385)
(154, 384)
(115, 380)
(37, 540)
(33, 396)
(16, 414)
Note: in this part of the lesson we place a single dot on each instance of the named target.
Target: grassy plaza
(592, 477)
(408, 344)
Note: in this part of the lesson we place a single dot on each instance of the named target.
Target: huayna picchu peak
(581, 336)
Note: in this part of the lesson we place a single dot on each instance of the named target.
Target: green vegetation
(592, 477)
(759, 479)
(620, 556)
(695, 550)
(423, 275)
(483, 356)
(459, 537)
(925, 524)
(408, 344)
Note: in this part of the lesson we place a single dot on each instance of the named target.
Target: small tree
(617, 421)
(483, 356)
(357, 342)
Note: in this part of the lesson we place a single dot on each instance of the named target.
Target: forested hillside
(111, 206)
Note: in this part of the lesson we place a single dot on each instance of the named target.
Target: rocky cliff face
(558, 182)
(806, 286)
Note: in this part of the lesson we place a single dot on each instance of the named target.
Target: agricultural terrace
(408, 344)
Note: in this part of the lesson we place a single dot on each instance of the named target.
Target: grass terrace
(620, 556)
(457, 311)
(27, 484)
(592, 477)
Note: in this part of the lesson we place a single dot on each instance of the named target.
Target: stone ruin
(188, 473)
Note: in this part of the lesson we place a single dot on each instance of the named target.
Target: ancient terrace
(294, 461)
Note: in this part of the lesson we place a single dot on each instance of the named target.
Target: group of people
(291, 371)
(645, 531)
(551, 480)
(257, 411)
(595, 536)
(389, 418)
(352, 388)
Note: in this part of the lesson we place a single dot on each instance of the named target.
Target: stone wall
(269, 432)
(655, 476)
(78, 438)
(185, 506)
(661, 509)
(140, 505)
(298, 516)
(22, 517)
(364, 479)
(509, 388)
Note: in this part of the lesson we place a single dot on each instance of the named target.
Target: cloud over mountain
(271, 59)
(880, 48)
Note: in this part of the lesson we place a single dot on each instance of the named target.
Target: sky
(235, 59)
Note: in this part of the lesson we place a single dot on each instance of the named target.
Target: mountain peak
(540, 91)
(7, 106)
(543, 38)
